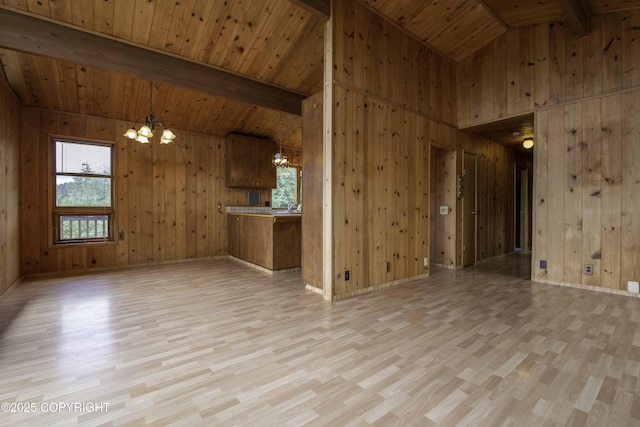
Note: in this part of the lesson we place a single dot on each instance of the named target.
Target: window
(287, 187)
(83, 195)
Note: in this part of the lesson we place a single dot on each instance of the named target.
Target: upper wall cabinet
(249, 162)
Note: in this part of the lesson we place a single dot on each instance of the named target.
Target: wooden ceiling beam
(26, 33)
(576, 16)
(320, 8)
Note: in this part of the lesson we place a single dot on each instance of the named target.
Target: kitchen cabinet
(248, 163)
(234, 230)
(270, 241)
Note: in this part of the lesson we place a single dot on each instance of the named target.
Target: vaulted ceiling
(223, 65)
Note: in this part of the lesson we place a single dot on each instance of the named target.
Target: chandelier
(149, 124)
(280, 160)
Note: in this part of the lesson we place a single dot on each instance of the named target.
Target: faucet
(292, 207)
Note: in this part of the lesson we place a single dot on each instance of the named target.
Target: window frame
(55, 238)
(298, 185)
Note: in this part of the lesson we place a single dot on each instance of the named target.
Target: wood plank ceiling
(277, 42)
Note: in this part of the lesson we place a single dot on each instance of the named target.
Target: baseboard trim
(588, 288)
(10, 289)
(318, 291)
(85, 271)
(261, 268)
(378, 287)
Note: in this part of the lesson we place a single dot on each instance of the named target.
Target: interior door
(469, 210)
(523, 210)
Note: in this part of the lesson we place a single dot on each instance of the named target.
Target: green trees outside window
(89, 189)
(83, 192)
(286, 192)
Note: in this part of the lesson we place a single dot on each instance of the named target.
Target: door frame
(472, 259)
(525, 211)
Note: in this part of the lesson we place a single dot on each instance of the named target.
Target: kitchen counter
(276, 214)
(272, 241)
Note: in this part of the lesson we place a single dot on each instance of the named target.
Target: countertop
(275, 215)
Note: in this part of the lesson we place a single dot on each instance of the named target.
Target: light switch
(444, 210)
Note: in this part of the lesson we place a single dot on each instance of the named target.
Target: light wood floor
(218, 343)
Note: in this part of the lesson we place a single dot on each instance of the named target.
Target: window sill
(76, 243)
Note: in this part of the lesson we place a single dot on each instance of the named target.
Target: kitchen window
(83, 192)
(287, 191)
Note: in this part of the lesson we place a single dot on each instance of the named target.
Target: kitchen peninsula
(271, 240)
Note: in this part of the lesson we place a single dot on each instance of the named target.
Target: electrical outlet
(121, 235)
(633, 287)
(426, 262)
(543, 264)
(588, 269)
(388, 267)
(346, 275)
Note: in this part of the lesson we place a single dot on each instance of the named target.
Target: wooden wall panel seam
(421, 114)
(564, 67)
(12, 174)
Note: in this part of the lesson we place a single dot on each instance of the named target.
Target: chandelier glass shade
(149, 125)
(280, 160)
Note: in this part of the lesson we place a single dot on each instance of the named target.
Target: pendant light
(149, 123)
(280, 160)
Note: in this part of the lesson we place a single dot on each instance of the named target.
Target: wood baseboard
(378, 287)
(85, 271)
(11, 288)
(588, 288)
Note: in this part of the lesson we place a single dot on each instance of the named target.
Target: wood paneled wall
(379, 150)
(585, 98)
(380, 192)
(443, 183)
(374, 56)
(587, 199)
(545, 65)
(312, 164)
(10, 128)
(392, 98)
(166, 197)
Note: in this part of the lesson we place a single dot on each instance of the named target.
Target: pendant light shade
(167, 136)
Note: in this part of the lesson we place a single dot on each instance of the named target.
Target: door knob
(474, 212)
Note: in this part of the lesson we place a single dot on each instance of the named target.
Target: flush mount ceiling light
(149, 124)
(280, 160)
(527, 143)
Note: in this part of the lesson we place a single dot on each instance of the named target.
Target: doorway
(522, 210)
(469, 210)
